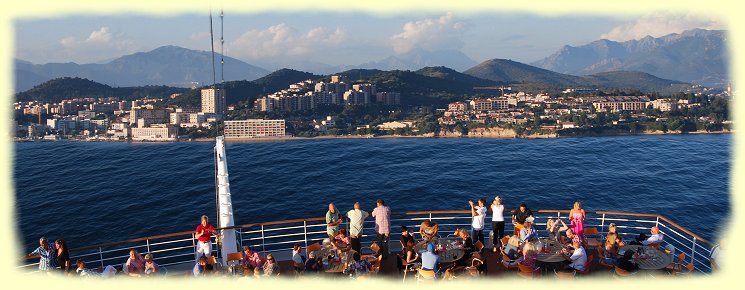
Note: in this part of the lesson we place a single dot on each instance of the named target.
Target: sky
(335, 38)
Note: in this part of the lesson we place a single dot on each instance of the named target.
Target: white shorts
(204, 248)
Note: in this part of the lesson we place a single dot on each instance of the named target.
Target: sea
(96, 192)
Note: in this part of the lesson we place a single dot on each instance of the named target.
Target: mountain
(418, 58)
(697, 56)
(60, 89)
(166, 65)
(530, 78)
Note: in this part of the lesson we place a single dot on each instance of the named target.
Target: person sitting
(135, 264)
(716, 258)
(528, 233)
(109, 271)
(271, 268)
(313, 264)
(430, 259)
(341, 240)
(655, 239)
(626, 262)
(150, 266)
(298, 260)
(468, 247)
(511, 249)
(358, 267)
(554, 229)
(251, 259)
(201, 268)
(572, 237)
(528, 258)
(406, 236)
(609, 255)
(613, 243)
(428, 230)
(578, 257)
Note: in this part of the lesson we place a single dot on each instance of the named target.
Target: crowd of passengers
(520, 247)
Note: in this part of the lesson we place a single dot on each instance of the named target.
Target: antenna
(212, 44)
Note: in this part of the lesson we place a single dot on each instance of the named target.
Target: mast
(226, 238)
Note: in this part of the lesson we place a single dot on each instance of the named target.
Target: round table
(656, 259)
(453, 249)
(550, 257)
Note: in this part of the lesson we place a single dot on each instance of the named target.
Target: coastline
(426, 136)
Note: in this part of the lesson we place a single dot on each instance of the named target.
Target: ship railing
(278, 237)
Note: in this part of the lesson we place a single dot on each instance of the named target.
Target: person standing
(333, 220)
(478, 211)
(382, 215)
(356, 220)
(577, 219)
(497, 222)
(203, 234)
(47, 255)
(63, 256)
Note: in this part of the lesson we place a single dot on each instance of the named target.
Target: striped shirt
(48, 259)
(382, 215)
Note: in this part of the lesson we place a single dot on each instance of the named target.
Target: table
(657, 259)
(453, 249)
(552, 253)
(331, 266)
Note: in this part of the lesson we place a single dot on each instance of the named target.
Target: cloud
(101, 36)
(282, 40)
(444, 32)
(660, 24)
(200, 35)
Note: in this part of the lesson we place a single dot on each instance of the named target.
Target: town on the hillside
(336, 106)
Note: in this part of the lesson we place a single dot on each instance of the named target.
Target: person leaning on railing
(63, 256)
(382, 215)
(519, 217)
(47, 255)
(356, 218)
(333, 220)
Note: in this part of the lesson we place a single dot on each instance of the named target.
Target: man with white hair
(47, 255)
(655, 239)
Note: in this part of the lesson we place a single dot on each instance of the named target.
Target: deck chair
(473, 269)
(425, 275)
(506, 259)
(688, 270)
(620, 273)
(587, 265)
(410, 267)
(592, 242)
(233, 257)
(479, 246)
(212, 260)
(677, 266)
(375, 249)
(527, 271)
(312, 248)
(561, 275)
(601, 261)
(504, 240)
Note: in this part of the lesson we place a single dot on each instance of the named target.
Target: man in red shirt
(203, 234)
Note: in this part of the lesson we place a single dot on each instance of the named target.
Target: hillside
(68, 88)
(166, 65)
(530, 78)
(697, 56)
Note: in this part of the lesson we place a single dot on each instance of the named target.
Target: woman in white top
(478, 212)
(497, 222)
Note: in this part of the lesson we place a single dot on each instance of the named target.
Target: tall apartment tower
(213, 101)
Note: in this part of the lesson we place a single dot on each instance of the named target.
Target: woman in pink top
(577, 218)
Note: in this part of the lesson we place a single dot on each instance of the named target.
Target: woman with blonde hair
(530, 255)
(497, 222)
(512, 247)
(577, 219)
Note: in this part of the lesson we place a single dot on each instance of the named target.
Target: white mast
(225, 204)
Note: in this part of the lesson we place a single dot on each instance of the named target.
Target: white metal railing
(279, 237)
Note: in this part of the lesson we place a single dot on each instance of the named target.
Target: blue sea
(94, 192)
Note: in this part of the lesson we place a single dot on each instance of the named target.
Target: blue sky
(334, 38)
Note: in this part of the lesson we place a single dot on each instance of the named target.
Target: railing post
(263, 249)
(147, 242)
(693, 249)
(602, 223)
(305, 233)
(100, 256)
(240, 239)
(194, 247)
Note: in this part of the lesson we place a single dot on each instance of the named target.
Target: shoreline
(428, 136)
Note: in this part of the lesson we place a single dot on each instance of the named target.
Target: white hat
(530, 219)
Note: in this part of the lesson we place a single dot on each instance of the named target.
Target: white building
(254, 128)
(213, 101)
(161, 133)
